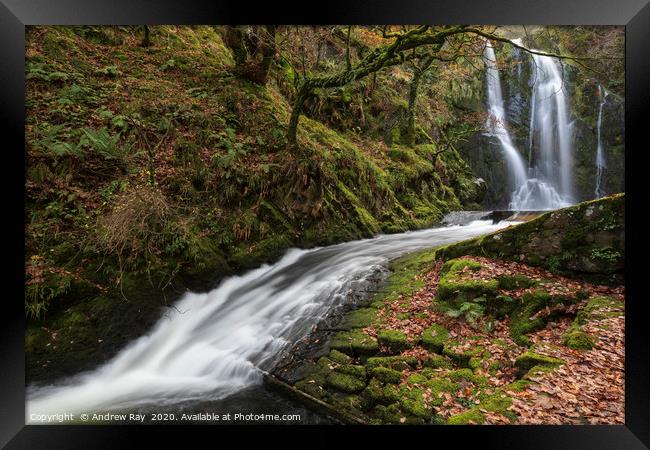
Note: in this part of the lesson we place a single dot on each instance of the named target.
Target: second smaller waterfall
(600, 151)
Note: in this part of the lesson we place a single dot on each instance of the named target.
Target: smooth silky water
(213, 347)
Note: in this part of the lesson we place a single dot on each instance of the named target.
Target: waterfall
(548, 183)
(496, 121)
(551, 124)
(600, 151)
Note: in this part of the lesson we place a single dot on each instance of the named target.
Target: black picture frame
(634, 14)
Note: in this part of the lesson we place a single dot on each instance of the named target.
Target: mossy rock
(360, 318)
(386, 375)
(517, 386)
(352, 370)
(512, 282)
(393, 362)
(460, 358)
(434, 381)
(394, 340)
(530, 359)
(345, 383)
(376, 393)
(466, 375)
(311, 387)
(471, 416)
(412, 403)
(578, 340)
(435, 361)
(339, 357)
(354, 343)
(458, 265)
(454, 290)
(434, 338)
(392, 415)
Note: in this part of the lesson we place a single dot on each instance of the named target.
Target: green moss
(466, 375)
(437, 362)
(471, 416)
(393, 362)
(345, 383)
(459, 265)
(360, 318)
(339, 357)
(394, 340)
(529, 359)
(378, 393)
(352, 370)
(453, 289)
(578, 340)
(311, 387)
(512, 282)
(434, 337)
(354, 343)
(599, 307)
(413, 404)
(517, 386)
(460, 358)
(386, 375)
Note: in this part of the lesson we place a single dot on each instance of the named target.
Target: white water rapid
(216, 343)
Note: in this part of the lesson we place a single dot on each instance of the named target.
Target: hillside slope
(151, 170)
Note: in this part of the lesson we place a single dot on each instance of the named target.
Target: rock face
(584, 240)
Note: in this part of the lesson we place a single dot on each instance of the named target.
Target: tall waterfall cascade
(600, 151)
(496, 122)
(547, 183)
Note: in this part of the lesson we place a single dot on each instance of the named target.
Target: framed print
(409, 218)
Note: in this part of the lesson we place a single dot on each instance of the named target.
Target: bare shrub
(137, 225)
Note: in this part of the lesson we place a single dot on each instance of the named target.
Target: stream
(209, 353)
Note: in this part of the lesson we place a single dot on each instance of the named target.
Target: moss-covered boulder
(585, 240)
(434, 337)
(598, 307)
(530, 359)
(435, 361)
(339, 357)
(471, 416)
(360, 318)
(578, 340)
(354, 343)
(455, 288)
(393, 362)
(378, 393)
(394, 340)
(345, 383)
(386, 375)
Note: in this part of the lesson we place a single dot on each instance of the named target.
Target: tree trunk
(253, 51)
(412, 109)
(303, 93)
(146, 41)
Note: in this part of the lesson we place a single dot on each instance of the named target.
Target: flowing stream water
(218, 343)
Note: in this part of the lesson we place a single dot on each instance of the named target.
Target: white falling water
(550, 185)
(496, 121)
(600, 151)
(217, 342)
